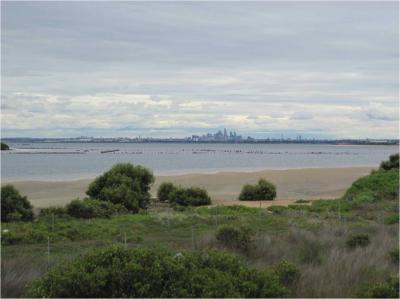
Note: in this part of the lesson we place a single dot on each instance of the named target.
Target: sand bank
(223, 187)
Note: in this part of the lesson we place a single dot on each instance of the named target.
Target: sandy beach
(223, 187)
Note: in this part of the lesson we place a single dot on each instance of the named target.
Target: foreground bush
(263, 190)
(14, 206)
(165, 190)
(123, 184)
(140, 272)
(177, 195)
(92, 208)
(234, 237)
(4, 147)
(392, 163)
(359, 240)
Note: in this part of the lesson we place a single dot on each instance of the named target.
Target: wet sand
(223, 187)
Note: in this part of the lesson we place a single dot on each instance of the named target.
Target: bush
(263, 190)
(287, 272)
(14, 206)
(387, 289)
(234, 237)
(92, 208)
(392, 163)
(379, 185)
(4, 147)
(165, 190)
(123, 184)
(361, 240)
(152, 273)
(191, 196)
(391, 219)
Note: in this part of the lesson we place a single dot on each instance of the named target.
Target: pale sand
(223, 187)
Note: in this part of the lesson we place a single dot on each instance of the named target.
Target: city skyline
(316, 69)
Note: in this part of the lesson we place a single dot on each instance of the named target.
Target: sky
(173, 69)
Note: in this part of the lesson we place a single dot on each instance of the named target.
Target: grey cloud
(206, 59)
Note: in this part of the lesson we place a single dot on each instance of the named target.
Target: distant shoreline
(223, 187)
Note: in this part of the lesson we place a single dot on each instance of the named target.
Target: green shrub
(378, 185)
(357, 240)
(392, 163)
(92, 208)
(14, 206)
(165, 190)
(391, 219)
(263, 190)
(123, 184)
(387, 289)
(4, 147)
(287, 272)
(234, 237)
(277, 209)
(152, 273)
(191, 196)
(53, 211)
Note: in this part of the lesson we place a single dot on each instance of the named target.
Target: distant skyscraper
(225, 134)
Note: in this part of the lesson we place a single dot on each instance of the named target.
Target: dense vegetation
(91, 208)
(177, 195)
(117, 272)
(123, 184)
(4, 147)
(263, 190)
(14, 206)
(392, 163)
(324, 248)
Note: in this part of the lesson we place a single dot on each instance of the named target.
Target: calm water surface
(57, 161)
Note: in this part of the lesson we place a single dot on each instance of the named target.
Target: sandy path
(223, 187)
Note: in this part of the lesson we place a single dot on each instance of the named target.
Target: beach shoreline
(223, 187)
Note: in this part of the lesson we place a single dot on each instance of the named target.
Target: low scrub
(92, 208)
(386, 289)
(143, 273)
(53, 212)
(263, 190)
(177, 195)
(14, 206)
(357, 240)
(234, 210)
(234, 237)
(277, 209)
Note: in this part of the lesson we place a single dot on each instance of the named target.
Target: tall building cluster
(219, 136)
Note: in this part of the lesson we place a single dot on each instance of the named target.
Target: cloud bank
(321, 69)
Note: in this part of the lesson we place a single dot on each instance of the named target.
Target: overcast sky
(318, 69)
